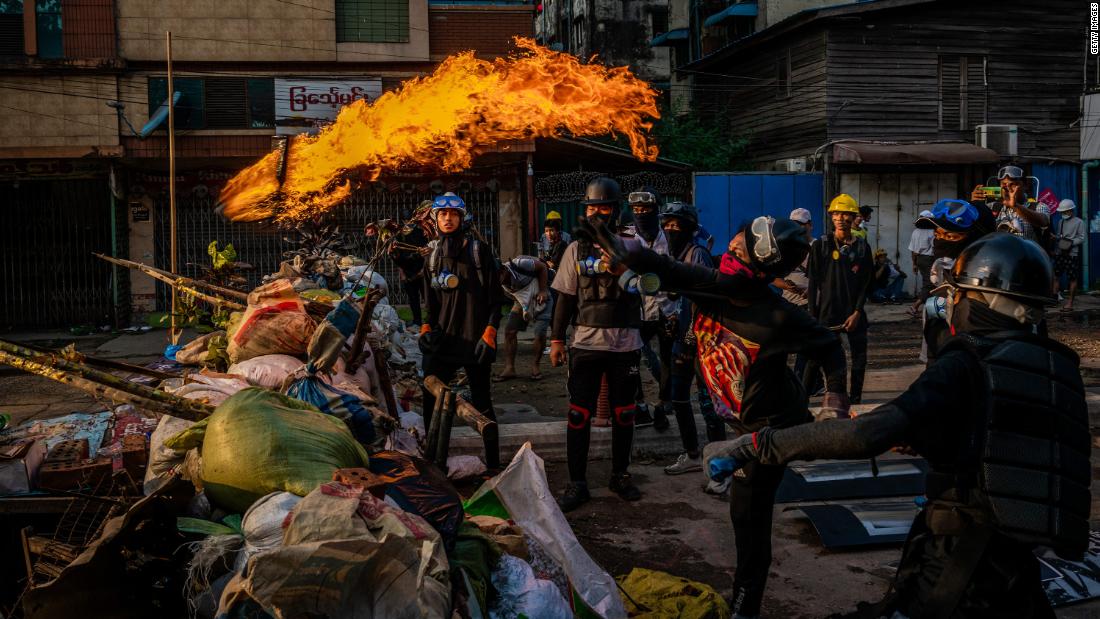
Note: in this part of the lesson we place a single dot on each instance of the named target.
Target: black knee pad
(624, 416)
(578, 417)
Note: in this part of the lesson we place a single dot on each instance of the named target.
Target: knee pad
(624, 415)
(578, 417)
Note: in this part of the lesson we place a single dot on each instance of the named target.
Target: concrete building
(83, 150)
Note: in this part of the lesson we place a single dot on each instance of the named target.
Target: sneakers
(642, 417)
(660, 418)
(718, 487)
(622, 486)
(685, 464)
(575, 495)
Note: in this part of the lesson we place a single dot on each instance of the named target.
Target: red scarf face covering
(732, 265)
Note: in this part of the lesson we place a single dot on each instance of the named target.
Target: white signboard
(304, 105)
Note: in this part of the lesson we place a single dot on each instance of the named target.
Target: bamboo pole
(173, 232)
(69, 353)
(99, 390)
(466, 411)
(101, 383)
(169, 277)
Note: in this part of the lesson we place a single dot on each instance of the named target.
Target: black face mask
(451, 242)
(647, 224)
(598, 218)
(948, 249)
(677, 241)
(970, 316)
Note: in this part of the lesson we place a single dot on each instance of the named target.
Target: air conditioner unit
(797, 164)
(998, 138)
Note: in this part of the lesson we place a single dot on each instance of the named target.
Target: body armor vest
(601, 301)
(1031, 462)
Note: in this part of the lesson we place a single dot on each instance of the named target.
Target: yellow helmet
(844, 203)
(553, 215)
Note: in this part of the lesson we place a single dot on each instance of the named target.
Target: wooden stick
(384, 382)
(100, 383)
(443, 445)
(465, 411)
(98, 390)
(169, 277)
(69, 353)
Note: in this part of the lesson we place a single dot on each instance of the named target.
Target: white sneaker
(684, 464)
(718, 487)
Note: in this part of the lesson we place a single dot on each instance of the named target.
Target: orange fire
(442, 121)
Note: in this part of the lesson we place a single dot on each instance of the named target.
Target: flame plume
(442, 121)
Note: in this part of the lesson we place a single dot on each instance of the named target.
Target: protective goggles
(641, 197)
(958, 212)
(448, 202)
(1010, 171)
(765, 249)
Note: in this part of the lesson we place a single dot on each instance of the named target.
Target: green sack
(258, 442)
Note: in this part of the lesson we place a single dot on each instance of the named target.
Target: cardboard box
(19, 465)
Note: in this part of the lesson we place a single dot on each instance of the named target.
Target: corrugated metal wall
(48, 276)
(262, 245)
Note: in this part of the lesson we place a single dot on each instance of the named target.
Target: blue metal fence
(726, 200)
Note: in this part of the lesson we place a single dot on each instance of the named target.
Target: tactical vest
(601, 301)
(1030, 468)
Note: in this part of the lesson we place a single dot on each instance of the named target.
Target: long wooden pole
(173, 255)
(169, 277)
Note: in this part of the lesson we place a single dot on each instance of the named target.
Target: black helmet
(1004, 263)
(681, 210)
(603, 190)
(776, 246)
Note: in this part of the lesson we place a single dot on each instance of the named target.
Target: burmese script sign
(303, 105)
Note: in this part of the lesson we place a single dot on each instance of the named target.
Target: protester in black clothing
(605, 341)
(410, 267)
(1001, 420)
(463, 294)
(744, 333)
(680, 221)
(658, 311)
(840, 271)
(956, 224)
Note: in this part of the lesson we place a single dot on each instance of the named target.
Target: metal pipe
(1085, 167)
(532, 206)
(174, 242)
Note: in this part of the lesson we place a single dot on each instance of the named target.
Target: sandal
(536, 376)
(500, 378)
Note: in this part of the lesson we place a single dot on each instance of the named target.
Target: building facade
(83, 142)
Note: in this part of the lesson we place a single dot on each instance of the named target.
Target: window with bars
(47, 25)
(218, 102)
(11, 27)
(372, 21)
(963, 89)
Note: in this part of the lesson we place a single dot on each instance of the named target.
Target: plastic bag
(339, 404)
(461, 467)
(161, 457)
(263, 525)
(419, 487)
(259, 441)
(665, 595)
(521, 494)
(520, 594)
(197, 350)
(275, 322)
(210, 389)
(340, 543)
(267, 370)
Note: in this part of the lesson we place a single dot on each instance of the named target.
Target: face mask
(969, 315)
(599, 218)
(732, 265)
(648, 225)
(451, 243)
(947, 249)
(677, 241)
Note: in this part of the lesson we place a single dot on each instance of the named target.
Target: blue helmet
(448, 201)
